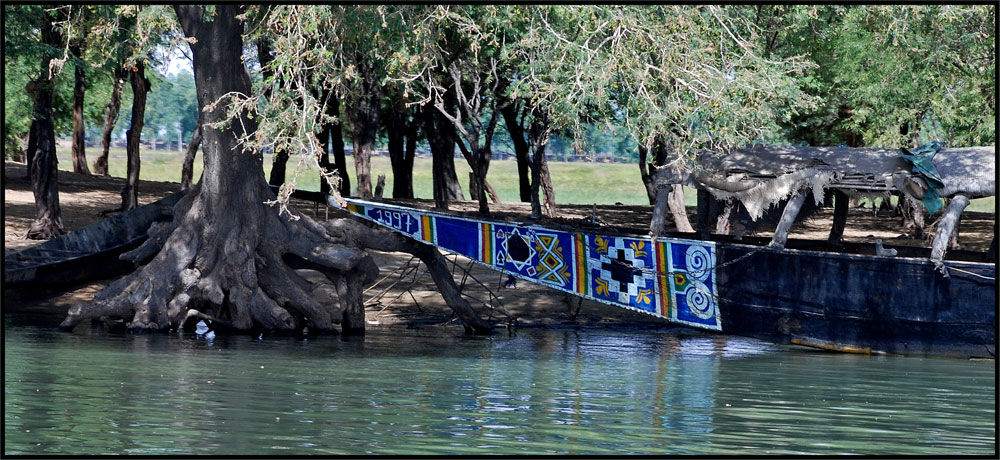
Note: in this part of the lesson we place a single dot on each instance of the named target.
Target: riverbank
(405, 295)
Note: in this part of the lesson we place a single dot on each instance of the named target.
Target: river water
(538, 391)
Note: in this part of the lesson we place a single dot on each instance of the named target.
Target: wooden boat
(848, 302)
(88, 253)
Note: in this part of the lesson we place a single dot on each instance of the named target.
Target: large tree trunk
(440, 135)
(111, 110)
(140, 87)
(364, 114)
(187, 170)
(42, 165)
(521, 149)
(79, 90)
(227, 257)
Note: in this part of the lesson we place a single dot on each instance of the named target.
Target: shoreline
(388, 304)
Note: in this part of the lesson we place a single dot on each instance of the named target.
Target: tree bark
(380, 186)
(677, 209)
(330, 134)
(840, 208)
(42, 165)
(645, 176)
(660, 149)
(187, 170)
(29, 151)
(440, 135)
(541, 182)
(657, 223)
(364, 114)
(947, 225)
(401, 133)
(279, 160)
(79, 154)
(140, 87)
(788, 216)
(278, 168)
(337, 145)
(722, 223)
(227, 257)
(521, 149)
(111, 110)
(913, 215)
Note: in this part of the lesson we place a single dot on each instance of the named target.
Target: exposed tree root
(238, 274)
(236, 269)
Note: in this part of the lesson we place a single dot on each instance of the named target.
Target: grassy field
(574, 183)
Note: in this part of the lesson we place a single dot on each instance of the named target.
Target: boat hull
(86, 254)
(865, 304)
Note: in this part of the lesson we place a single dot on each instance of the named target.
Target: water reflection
(571, 392)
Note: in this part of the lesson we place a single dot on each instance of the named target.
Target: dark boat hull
(88, 253)
(858, 303)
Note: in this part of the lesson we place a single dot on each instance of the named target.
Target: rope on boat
(989, 278)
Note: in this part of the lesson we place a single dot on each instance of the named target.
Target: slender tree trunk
(280, 157)
(42, 168)
(521, 149)
(947, 225)
(140, 87)
(278, 168)
(337, 145)
(647, 179)
(364, 125)
(187, 170)
(840, 208)
(111, 110)
(29, 151)
(440, 136)
(409, 154)
(324, 159)
(401, 137)
(541, 183)
(677, 209)
(788, 215)
(79, 154)
(480, 168)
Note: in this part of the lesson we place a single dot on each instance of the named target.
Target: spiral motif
(699, 261)
(699, 301)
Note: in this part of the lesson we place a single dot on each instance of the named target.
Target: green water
(540, 391)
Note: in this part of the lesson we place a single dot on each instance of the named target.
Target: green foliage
(891, 75)
(171, 106)
(606, 77)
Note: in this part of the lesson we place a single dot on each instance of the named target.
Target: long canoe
(88, 253)
(846, 302)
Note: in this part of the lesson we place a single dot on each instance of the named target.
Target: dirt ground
(405, 296)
